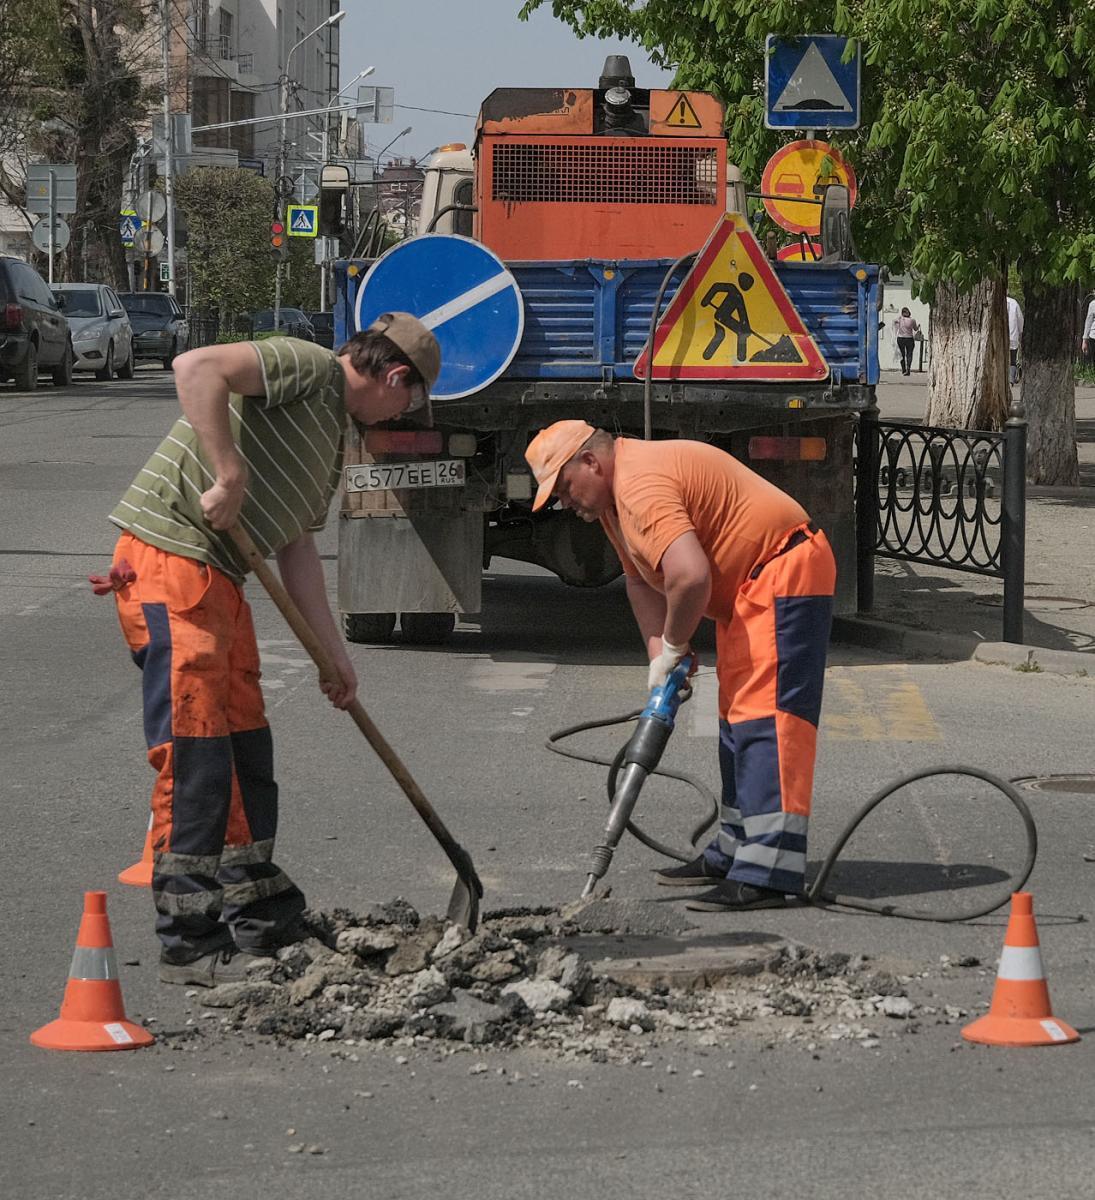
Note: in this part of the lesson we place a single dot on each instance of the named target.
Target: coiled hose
(815, 893)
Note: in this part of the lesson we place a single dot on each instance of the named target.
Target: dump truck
(596, 200)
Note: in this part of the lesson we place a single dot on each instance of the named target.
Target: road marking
(875, 704)
(527, 675)
(862, 704)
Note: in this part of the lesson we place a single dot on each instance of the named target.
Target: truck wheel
(368, 627)
(26, 373)
(427, 629)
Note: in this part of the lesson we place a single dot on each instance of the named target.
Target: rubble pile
(518, 981)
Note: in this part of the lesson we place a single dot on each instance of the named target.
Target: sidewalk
(930, 610)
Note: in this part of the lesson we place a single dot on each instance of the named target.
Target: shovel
(464, 902)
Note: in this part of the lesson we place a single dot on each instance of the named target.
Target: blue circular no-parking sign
(461, 291)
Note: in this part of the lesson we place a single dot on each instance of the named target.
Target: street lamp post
(333, 19)
(380, 154)
(324, 147)
(327, 119)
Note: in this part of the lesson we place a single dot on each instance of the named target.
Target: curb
(1035, 658)
(899, 639)
(919, 643)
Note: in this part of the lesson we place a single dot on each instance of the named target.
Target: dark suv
(33, 330)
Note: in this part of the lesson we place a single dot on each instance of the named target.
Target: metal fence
(204, 331)
(946, 497)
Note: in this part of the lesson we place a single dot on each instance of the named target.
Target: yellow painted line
(874, 704)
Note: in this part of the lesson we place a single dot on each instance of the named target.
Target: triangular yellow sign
(732, 319)
(682, 114)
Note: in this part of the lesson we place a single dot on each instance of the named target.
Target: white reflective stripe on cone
(93, 962)
(1020, 962)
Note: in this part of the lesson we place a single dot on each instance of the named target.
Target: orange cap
(550, 450)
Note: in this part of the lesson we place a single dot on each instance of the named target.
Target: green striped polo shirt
(291, 440)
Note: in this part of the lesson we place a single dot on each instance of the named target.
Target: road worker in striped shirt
(260, 442)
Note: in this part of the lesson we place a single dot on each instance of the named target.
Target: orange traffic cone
(140, 874)
(1020, 1014)
(92, 1016)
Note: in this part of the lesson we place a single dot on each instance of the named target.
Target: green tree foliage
(228, 215)
(976, 147)
(976, 142)
(71, 91)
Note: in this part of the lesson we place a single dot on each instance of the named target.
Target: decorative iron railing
(946, 497)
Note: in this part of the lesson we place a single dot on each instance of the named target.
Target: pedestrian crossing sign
(731, 319)
(302, 220)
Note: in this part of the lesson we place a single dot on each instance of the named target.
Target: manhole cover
(1079, 785)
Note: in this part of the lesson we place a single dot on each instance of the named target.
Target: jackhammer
(640, 757)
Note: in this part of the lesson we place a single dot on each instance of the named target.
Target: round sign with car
(794, 182)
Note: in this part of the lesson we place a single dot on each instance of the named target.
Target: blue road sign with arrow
(808, 85)
(461, 291)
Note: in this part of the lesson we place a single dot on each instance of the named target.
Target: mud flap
(425, 563)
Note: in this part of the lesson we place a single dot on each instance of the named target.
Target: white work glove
(664, 663)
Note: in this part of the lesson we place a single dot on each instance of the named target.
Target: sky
(451, 54)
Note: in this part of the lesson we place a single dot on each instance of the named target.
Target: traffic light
(279, 242)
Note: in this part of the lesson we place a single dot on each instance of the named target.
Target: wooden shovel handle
(309, 639)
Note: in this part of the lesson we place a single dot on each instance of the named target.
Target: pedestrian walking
(1087, 338)
(905, 329)
(1015, 335)
(700, 534)
(259, 442)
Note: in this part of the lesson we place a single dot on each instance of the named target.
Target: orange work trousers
(771, 668)
(215, 802)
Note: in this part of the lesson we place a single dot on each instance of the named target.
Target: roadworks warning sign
(731, 319)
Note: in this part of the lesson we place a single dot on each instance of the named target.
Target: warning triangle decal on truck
(731, 319)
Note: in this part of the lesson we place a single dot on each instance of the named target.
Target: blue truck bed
(589, 320)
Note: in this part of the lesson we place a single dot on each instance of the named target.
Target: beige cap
(416, 342)
(550, 451)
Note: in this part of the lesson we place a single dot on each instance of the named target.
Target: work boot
(733, 896)
(226, 965)
(697, 873)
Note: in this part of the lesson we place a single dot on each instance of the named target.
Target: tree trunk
(1049, 387)
(968, 381)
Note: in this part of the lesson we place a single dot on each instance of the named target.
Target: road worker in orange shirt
(700, 534)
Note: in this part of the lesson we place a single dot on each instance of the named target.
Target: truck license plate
(380, 477)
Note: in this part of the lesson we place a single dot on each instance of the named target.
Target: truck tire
(368, 627)
(26, 373)
(62, 372)
(427, 629)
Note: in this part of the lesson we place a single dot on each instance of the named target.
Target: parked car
(159, 327)
(291, 321)
(324, 325)
(102, 336)
(33, 330)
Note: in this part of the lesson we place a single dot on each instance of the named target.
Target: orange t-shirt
(665, 489)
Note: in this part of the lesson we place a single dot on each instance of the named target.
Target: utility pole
(283, 147)
(168, 166)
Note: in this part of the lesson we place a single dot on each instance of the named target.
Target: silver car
(102, 336)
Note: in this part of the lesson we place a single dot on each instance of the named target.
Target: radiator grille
(600, 173)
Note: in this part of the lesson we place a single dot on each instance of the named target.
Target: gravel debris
(391, 977)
